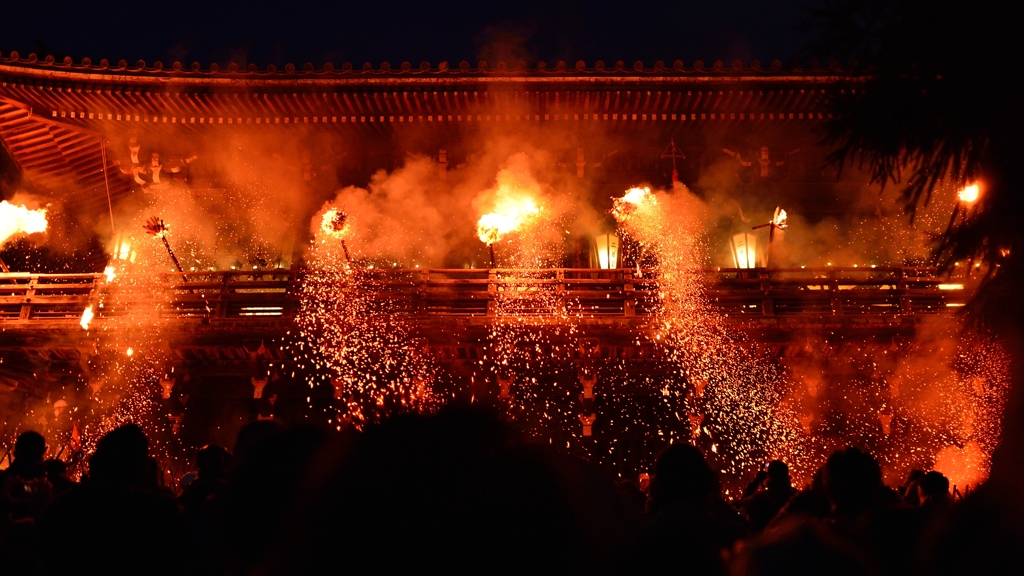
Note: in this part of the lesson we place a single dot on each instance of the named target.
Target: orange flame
(19, 219)
(509, 215)
(970, 194)
(623, 207)
(87, 316)
(780, 218)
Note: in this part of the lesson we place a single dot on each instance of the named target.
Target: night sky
(302, 31)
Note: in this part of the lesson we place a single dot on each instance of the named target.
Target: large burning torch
(19, 219)
(630, 202)
(510, 214)
(778, 222)
(335, 225)
(156, 227)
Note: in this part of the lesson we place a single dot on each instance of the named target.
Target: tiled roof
(52, 114)
(141, 70)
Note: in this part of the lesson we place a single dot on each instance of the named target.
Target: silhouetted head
(253, 434)
(852, 481)
(778, 476)
(29, 448)
(121, 456)
(212, 460)
(933, 487)
(681, 474)
(55, 468)
(457, 491)
(778, 469)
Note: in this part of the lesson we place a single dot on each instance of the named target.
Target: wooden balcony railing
(265, 294)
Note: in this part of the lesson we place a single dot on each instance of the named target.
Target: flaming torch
(335, 225)
(511, 213)
(157, 228)
(19, 219)
(623, 208)
(778, 222)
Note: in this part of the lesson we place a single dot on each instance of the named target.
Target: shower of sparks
(355, 339)
(532, 335)
(926, 404)
(935, 404)
(722, 391)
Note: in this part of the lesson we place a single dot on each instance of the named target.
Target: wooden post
(30, 292)
(837, 300)
(629, 302)
(492, 291)
(901, 286)
(225, 294)
(767, 302)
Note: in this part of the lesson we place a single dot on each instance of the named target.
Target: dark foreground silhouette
(461, 492)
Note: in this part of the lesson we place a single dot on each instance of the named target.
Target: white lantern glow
(744, 250)
(607, 251)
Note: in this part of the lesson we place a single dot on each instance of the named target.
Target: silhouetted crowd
(461, 492)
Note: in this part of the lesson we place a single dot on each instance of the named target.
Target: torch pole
(184, 278)
(345, 248)
(491, 248)
(174, 258)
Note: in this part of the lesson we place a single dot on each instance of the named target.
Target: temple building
(240, 161)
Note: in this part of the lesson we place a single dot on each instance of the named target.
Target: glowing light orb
(970, 194)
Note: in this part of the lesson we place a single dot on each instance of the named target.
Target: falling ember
(510, 214)
(109, 272)
(19, 219)
(87, 315)
(630, 201)
(969, 194)
(129, 352)
(334, 223)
